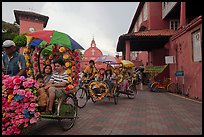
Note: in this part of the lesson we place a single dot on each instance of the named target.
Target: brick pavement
(148, 114)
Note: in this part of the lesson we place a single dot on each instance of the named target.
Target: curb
(185, 98)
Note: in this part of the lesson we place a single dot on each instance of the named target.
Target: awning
(145, 40)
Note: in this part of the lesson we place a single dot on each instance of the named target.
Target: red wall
(184, 55)
(155, 17)
(26, 24)
(144, 57)
(158, 58)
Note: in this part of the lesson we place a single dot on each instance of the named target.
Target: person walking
(13, 63)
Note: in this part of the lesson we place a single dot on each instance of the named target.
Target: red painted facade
(26, 24)
(92, 53)
(179, 44)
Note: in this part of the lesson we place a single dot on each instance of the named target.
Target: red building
(92, 53)
(30, 21)
(166, 29)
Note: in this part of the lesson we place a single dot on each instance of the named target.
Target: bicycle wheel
(172, 88)
(131, 92)
(82, 97)
(153, 85)
(67, 112)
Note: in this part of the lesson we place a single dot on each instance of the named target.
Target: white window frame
(174, 24)
(196, 45)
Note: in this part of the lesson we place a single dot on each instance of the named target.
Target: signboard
(170, 60)
(155, 70)
(179, 73)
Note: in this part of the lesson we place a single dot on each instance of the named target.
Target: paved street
(148, 114)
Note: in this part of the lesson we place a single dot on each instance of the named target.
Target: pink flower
(21, 121)
(77, 71)
(31, 109)
(28, 94)
(21, 116)
(37, 114)
(36, 85)
(33, 120)
(16, 87)
(35, 65)
(32, 104)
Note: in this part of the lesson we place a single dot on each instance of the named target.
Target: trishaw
(58, 45)
(94, 90)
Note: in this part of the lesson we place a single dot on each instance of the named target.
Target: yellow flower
(27, 57)
(3, 87)
(65, 56)
(10, 97)
(27, 64)
(67, 64)
(69, 79)
(25, 50)
(30, 71)
(62, 49)
(68, 71)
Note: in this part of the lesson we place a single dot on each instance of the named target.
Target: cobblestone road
(148, 114)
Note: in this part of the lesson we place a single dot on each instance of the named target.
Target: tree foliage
(9, 31)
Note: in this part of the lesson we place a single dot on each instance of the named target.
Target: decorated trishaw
(128, 76)
(156, 85)
(98, 90)
(19, 106)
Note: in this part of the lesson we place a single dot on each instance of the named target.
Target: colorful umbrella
(127, 63)
(53, 37)
(106, 59)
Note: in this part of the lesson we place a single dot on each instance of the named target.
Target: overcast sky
(105, 21)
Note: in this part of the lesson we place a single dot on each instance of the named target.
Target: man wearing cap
(13, 63)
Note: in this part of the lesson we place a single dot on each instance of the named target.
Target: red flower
(77, 58)
(51, 57)
(35, 59)
(35, 54)
(10, 91)
(67, 88)
(17, 80)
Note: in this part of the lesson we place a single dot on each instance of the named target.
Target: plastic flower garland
(18, 104)
(71, 58)
(97, 84)
(29, 63)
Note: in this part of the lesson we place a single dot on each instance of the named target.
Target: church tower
(92, 53)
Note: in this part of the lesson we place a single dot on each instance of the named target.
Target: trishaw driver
(90, 71)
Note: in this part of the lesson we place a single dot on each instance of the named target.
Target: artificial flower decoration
(28, 64)
(50, 57)
(68, 71)
(18, 104)
(62, 49)
(26, 57)
(26, 50)
(47, 62)
(65, 56)
(68, 64)
(96, 84)
(69, 79)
